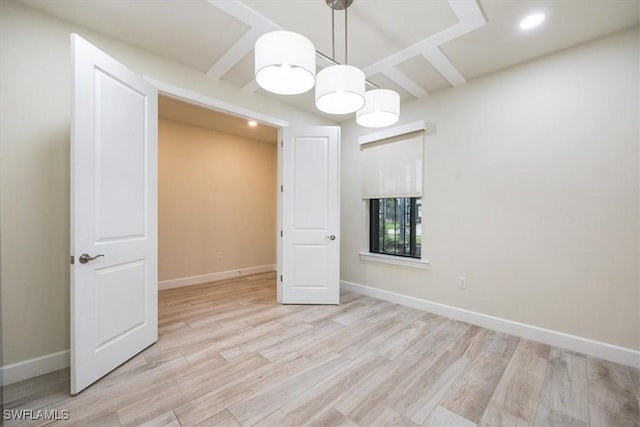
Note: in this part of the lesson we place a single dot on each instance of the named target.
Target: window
(396, 226)
(392, 178)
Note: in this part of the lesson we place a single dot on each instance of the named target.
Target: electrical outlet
(219, 255)
(462, 282)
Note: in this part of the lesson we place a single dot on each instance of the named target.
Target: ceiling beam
(405, 82)
(441, 63)
(245, 14)
(252, 86)
(470, 17)
(231, 57)
(258, 25)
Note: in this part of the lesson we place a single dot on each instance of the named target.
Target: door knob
(85, 258)
(332, 237)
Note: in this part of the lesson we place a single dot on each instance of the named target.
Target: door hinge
(281, 277)
(281, 188)
(73, 261)
(281, 143)
(280, 233)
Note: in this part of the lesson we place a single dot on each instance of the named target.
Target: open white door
(114, 311)
(310, 215)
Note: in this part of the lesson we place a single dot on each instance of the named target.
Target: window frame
(374, 227)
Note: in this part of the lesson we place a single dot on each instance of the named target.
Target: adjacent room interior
(217, 177)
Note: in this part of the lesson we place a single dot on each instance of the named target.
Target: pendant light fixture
(340, 88)
(285, 63)
(382, 108)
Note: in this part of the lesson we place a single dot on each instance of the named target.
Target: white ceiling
(413, 46)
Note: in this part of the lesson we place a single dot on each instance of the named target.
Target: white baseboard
(211, 277)
(35, 367)
(625, 356)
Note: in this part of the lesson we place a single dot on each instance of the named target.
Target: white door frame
(210, 103)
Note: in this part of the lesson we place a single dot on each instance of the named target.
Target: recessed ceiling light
(252, 123)
(531, 21)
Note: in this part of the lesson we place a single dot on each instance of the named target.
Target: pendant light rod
(332, 61)
(346, 9)
(333, 34)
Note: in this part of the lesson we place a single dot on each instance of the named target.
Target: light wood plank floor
(228, 355)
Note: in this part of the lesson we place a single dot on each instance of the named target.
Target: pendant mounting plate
(339, 4)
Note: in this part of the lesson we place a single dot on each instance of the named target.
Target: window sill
(395, 260)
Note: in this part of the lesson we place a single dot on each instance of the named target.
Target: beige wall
(216, 193)
(35, 77)
(531, 192)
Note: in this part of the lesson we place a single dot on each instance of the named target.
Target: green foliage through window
(396, 226)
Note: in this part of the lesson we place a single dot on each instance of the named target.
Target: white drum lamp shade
(382, 108)
(285, 63)
(340, 89)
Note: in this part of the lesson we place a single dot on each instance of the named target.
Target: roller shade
(392, 167)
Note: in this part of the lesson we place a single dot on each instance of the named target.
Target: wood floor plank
(176, 341)
(390, 418)
(469, 396)
(38, 392)
(367, 405)
(408, 337)
(220, 419)
(104, 397)
(517, 395)
(265, 341)
(306, 407)
(307, 314)
(440, 336)
(198, 409)
(368, 309)
(254, 408)
(330, 417)
(384, 330)
(471, 343)
(168, 419)
(501, 345)
(331, 312)
(276, 419)
(417, 396)
(365, 362)
(357, 338)
(294, 344)
(274, 314)
(565, 397)
(635, 379)
(330, 343)
(172, 327)
(442, 417)
(199, 379)
(612, 399)
(206, 348)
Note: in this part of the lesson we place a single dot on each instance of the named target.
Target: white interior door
(114, 311)
(310, 216)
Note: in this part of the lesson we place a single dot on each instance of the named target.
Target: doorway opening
(217, 195)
